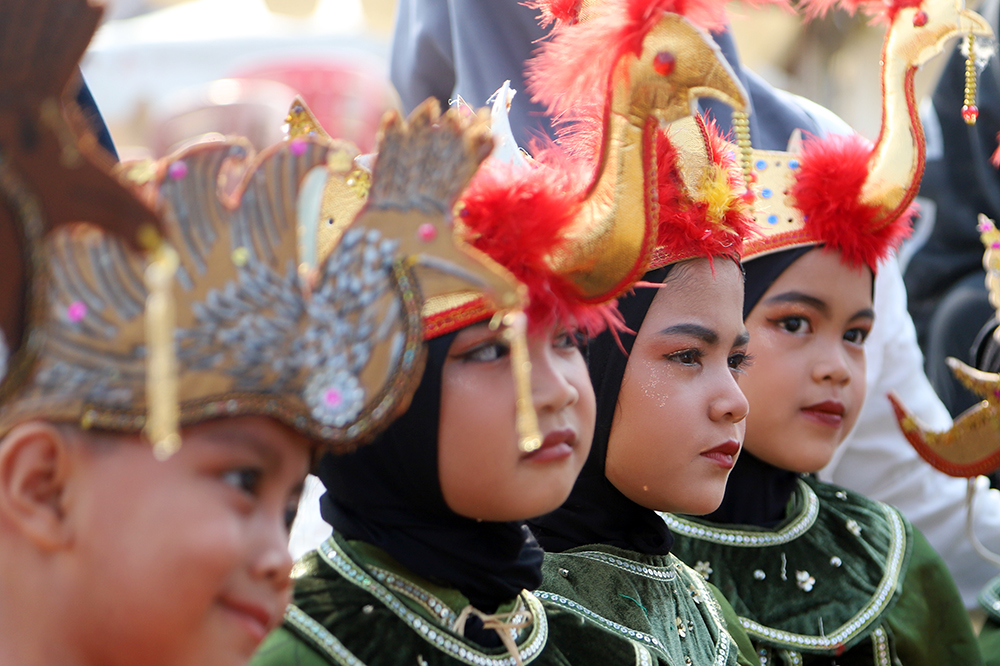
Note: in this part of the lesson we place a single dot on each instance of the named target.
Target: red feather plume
(686, 225)
(881, 11)
(575, 66)
(520, 216)
(827, 191)
(995, 158)
(559, 12)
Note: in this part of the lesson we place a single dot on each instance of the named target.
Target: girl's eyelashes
(792, 323)
(686, 356)
(245, 479)
(740, 361)
(486, 351)
(857, 335)
(569, 340)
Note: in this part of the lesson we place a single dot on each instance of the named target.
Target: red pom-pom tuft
(707, 226)
(827, 191)
(519, 216)
(995, 159)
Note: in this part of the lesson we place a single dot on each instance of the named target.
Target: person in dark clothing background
(944, 279)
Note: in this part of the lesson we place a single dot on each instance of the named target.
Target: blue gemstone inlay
(761, 165)
(766, 193)
(793, 164)
(772, 219)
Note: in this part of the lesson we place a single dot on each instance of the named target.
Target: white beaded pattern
(863, 619)
(656, 573)
(532, 647)
(321, 637)
(748, 539)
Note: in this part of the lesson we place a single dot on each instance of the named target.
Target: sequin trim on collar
(580, 609)
(320, 637)
(863, 619)
(425, 599)
(655, 573)
(747, 538)
(642, 656)
(333, 555)
(880, 645)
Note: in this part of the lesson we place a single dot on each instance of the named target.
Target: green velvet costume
(654, 598)
(354, 605)
(841, 580)
(989, 637)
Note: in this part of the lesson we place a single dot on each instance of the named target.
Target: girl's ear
(35, 465)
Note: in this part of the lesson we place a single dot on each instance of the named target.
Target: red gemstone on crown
(970, 114)
(920, 19)
(664, 63)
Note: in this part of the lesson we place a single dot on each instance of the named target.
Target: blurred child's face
(807, 381)
(678, 427)
(184, 562)
(483, 473)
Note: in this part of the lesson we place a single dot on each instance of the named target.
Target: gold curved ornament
(972, 445)
(897, 162)
(618, 222)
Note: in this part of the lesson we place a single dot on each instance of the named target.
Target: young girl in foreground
(430, 562)
(817, 574)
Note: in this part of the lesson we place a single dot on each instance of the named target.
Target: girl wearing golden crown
(818, 574)
(430, 562)
(608, 553)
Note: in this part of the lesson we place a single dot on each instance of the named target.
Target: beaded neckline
(442, 639)
(750, 538)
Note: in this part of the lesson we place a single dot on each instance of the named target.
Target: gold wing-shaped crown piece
(972, 445)
(335, 359)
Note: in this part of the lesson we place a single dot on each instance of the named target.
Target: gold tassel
(162, 409)
(970, 112)
(516, 335)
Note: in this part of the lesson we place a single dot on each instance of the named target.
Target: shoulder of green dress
(303, 641)
(989, 599)
(639, 597)
(348, 603)
(818, 583)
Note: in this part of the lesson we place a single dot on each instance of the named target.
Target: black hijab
(757, 492)
(388, 494)
(596, 511)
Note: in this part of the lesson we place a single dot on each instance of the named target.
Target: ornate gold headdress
(972, 445)
(840, 191)
(230, 309)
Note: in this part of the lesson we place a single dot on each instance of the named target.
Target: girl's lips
(557, 445)
(724, 454)
(828, 413)
(256, 619)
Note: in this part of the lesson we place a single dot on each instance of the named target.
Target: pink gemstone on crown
(76, 311)
(427, 232)
(298, 147)
(920, 19)
(333, 398)
(178, 170)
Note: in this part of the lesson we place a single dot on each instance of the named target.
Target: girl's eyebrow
(866, 313)
(706, 335)
(798, 297)
(742, 339)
